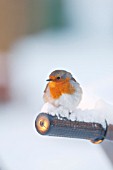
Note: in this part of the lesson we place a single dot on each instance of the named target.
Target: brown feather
(46, 88)
(73, 79)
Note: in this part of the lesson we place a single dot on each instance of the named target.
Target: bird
(63, 92)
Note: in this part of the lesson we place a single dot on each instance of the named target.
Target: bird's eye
(58, 78)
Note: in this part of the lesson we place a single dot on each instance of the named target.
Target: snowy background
(88, 55)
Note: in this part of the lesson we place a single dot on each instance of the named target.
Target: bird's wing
(46, 88)
(73, 79)
(46, 93)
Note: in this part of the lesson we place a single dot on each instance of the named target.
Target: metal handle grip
(50, 125)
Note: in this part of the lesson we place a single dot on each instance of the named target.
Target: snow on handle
(102, 113)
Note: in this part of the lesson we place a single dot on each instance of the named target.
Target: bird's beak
(49, 80)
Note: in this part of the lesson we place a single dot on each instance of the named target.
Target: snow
(100, 114)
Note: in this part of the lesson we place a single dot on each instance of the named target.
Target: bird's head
(59, 76)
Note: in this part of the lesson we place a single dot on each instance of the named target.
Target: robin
(63, 91)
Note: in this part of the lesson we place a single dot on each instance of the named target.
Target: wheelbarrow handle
(53, 126)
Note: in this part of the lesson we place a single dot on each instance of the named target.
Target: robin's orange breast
(57, 89)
